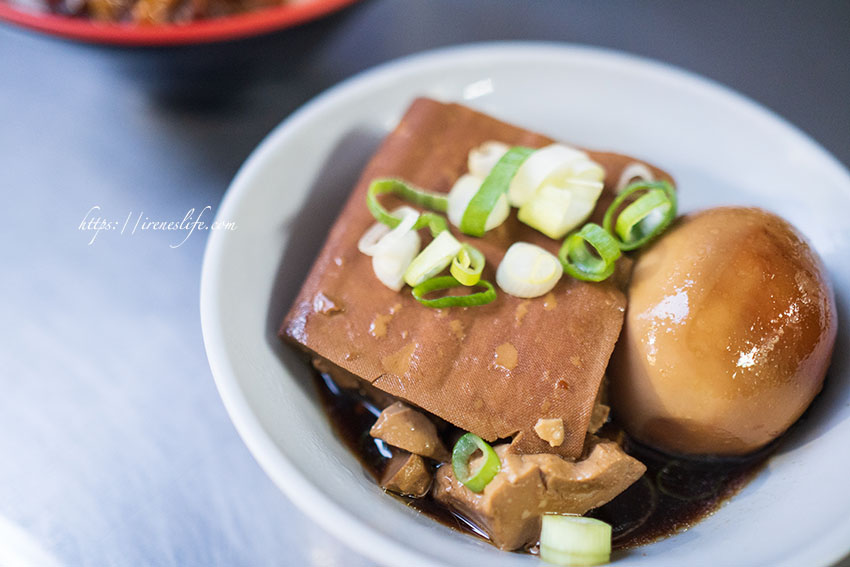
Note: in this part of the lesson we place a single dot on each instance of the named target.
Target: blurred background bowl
(197, 64)
(234, 27)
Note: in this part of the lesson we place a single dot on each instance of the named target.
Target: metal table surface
(116, 449)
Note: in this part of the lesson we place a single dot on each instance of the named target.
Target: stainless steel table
(114, 446)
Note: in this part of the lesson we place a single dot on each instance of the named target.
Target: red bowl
(203, 31)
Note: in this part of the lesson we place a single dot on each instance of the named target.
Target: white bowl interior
(722, 149)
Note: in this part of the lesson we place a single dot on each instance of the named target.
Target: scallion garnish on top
(435, 258)
(550, 163)
(555, 188)
(587, 265)
(448, 282)
(434, 201)
(528, 271)
(494, 188)
(466, 261)
(645, 217)
(464, 191)
(468, 265)
(635, 171)
(482, 159)
(392, 250)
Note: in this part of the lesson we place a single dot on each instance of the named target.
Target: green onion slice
(462, 192)
(557, 209)
(435, 258)
(528, 270)
(581, 263)
(465, 447)
(574, 540)
(468, 265)
(644, 218)
(448, 282)
(494, 186)
(434, 201)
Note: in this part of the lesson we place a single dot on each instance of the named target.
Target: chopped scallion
(635, 171)
(435, 258)
(482, 159)
(493, 188)
(644, 218)
(574, 541)
(448, 282)
(557, 209)
(528, 270)
(371, 240)
(581, 263)
(468, 265)
(434, 201)
(462, 192)
(551, 162)
(463, 451)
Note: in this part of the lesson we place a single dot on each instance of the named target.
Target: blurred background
(116, 449)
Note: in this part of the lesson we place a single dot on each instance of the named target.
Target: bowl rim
(308, 497)
(228, 28)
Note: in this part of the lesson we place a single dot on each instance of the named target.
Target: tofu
(405, 428)
(528, 486)
(408, 475)
(447, 361)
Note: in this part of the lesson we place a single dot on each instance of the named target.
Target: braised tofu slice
(407, 474)
(528, 486)
(403, 427)
(453, 362)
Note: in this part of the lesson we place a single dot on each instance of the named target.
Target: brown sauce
(674, 493)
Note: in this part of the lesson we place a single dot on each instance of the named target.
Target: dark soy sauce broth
(672, 495)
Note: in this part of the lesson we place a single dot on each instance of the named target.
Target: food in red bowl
(163, 22)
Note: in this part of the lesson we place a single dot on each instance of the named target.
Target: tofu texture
(408, 429)
(447, 361)
(408, 475)
(527, 486)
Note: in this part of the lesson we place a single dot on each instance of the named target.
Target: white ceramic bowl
(722, 149)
